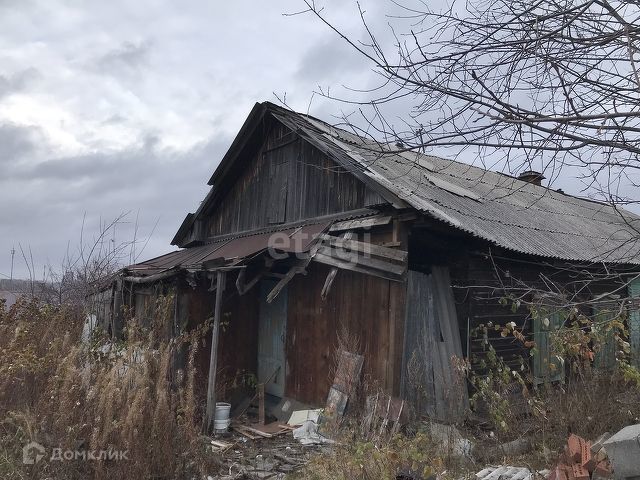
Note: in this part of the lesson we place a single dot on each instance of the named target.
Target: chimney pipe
(531, 176)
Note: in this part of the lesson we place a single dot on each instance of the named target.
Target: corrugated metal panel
(506, 211)
(290, 240)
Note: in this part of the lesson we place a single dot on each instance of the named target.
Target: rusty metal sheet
(288, 240)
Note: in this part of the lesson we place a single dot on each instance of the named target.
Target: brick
(586, 460)
(558, 473)
(578, 472)
(574, 448)
(561, 474)
(566, 471)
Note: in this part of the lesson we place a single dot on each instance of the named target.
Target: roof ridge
(307, 116)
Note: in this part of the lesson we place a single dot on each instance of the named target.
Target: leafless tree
(87, 263)
(551, 83)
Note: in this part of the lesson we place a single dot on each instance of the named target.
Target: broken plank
(344, 257)
(333, 262)
(360, 223)
(256, 431)
(242, 430)
(286, 279)
(334, 271)
(367, 248)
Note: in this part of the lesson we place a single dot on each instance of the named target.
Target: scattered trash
(254, 432)
(300, 416)
(308, 434)
(451, 440)
(272, 458)
(220, 446)
(515, 447)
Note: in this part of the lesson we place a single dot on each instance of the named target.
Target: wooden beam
(360, 223)
(343, 257)
(243, 287)
(364, 247)
(213, 359)
(299, 268)
(152, 278)
(334, 270)
(345, 265)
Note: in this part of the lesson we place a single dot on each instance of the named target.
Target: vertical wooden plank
(213, 359)
(605, 357)
(634, 322)
(261, 403)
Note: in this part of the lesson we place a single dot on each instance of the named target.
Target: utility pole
(13, 253)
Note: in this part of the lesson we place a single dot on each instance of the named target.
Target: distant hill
(11, 290)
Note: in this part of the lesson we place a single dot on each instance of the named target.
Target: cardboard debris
(300, 416)
(308, 434)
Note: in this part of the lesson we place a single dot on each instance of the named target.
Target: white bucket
(222, 421)
(222, 411)
(221, 425)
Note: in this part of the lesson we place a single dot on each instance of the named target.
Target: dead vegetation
(110, 408)
(105, 397)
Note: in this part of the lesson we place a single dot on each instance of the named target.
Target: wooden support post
(261, 403)
(213, 359)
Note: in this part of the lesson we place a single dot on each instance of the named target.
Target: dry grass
(63, 394)
(66, 395)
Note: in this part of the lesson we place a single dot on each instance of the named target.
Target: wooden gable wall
(285, 180)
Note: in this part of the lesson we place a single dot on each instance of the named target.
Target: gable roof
(495, 207)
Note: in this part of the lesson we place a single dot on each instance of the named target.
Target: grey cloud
(128, 57)
(18, 81)
(43, 206)
(329, 61)
(18, 142)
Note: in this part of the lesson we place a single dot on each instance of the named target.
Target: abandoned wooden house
(310, 236)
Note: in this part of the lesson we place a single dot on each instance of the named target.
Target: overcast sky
(120, 106)
(128, 106)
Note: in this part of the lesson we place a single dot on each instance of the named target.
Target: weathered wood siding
(238, 340)
(286, 180)
(369, 309)
(479, 284)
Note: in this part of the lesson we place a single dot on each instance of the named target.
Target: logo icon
(32, 453)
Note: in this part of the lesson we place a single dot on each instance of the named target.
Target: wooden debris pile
(248, 455)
